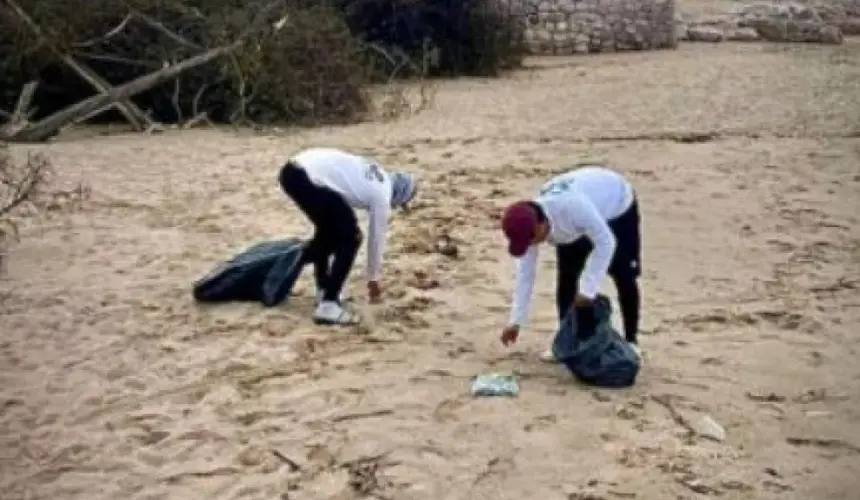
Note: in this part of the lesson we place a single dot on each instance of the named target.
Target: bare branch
(119, 60)
(20, 181)
(49, 126)
(397, 104)
(195, 104)
(18, 118)
(238, 116)
(177, 88)
(107, 36)
(133, 114)
(165, 31)
(200, 118)
(24, 100)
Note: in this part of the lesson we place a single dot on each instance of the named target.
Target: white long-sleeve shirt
(363, 184)
(577, 203)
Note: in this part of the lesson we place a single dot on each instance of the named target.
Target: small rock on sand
(705, 34)
(742, 35)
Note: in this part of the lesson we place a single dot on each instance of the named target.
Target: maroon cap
(519, 223)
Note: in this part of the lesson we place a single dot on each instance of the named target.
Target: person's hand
(581, 301)
(510, 335)
(374, 291)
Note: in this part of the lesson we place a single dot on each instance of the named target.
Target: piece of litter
(495, 384)
(707, 427)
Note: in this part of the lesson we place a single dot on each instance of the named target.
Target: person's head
(524, 224)
(403, 189)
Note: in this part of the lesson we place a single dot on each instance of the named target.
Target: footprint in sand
(253, 457)
(446, 410)
(464, 347)
(541, 422)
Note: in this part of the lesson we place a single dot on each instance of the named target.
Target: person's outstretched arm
(377, 234)
(524, 285)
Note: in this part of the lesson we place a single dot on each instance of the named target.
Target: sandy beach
(114, 384)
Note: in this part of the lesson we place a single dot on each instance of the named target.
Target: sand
(116, 385)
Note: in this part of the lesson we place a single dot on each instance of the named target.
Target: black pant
(624, 269)
(336, 230)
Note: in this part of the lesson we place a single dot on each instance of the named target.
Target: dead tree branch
(196, 120)
(107, 36)
(119, 60)
(24, 100)
(397, 104)
(19, 118)
(160, 27)
(174, 98)
(19, 183)
(48, 126)
(133, 114)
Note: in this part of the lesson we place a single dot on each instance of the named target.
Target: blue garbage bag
(596, 354)
(265, 272)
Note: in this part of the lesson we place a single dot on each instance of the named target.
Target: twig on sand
(697, 486)
(487, 471)
(292, 464)
(198, 119)
(364, 459)
(218, 471)
(824, 443)
(355, 416)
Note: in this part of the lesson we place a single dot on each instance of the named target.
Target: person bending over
(327, 185)
(591, 216)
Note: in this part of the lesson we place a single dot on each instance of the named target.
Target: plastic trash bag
(596, 354)
(265, 272)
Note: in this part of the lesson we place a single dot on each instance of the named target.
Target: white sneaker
(331, 313)
(548, 357)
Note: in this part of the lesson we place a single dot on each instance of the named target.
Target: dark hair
(541, 216)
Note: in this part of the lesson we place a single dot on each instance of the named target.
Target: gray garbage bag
(596, 354)
(265, 272)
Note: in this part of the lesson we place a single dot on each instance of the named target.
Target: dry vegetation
(239, 62)
(21, 183)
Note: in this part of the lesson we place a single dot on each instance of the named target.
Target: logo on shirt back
(374, 173)
(553, 188)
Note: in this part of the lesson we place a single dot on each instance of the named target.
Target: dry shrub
(26, 191)
(21, 188)
(306, 71)
(466, 37)
(313, 70)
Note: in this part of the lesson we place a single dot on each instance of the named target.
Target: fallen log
(19, 118)
(49, 126)
(135, 116)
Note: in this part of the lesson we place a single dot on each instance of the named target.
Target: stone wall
(583, 26)
(811, 21)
